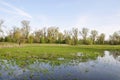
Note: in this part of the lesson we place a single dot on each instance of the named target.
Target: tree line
(53, 35)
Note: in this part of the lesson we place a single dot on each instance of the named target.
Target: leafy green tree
(84, 34)
(52, 34)
(93, 36)
(101, 38)
(9, 37)
(114, 38)
(37, 36)
(75, 36)
(31, 38)
(44, 37)
(17, 34)
(88, 41)
(60, 38)
(40, 35)
(67, 37)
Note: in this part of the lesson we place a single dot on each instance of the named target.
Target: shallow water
(106, 67)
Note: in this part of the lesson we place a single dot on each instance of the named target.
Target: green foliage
(52, 34)
(75, 36)
(88, 41)
(84, 33)
(42, 40)
(8, 39)
(2, 39)
(93, 36)
(30, 39)
(101, 39)
(115, 38)
(80, 42)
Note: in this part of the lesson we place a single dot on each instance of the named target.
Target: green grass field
(51, 52)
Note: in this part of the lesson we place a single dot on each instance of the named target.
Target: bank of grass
(51, 51)
(100, 47)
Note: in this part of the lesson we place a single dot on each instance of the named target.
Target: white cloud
(14, 10)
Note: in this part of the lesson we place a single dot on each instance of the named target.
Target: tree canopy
(54, 35)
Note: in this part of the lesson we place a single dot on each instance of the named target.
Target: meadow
(49, 60)
(51, 51)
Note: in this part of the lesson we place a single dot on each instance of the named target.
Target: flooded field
(105, 66)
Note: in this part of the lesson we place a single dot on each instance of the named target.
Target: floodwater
(106, 67)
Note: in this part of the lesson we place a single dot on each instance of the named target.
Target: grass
(27, 54)
(33, 52)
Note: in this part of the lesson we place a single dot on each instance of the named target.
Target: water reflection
(116, 54)
(101, 67)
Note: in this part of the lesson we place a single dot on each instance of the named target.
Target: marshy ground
(59, 62)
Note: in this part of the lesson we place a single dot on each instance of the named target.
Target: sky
(101, 15)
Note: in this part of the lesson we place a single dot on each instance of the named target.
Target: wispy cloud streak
(14, 10)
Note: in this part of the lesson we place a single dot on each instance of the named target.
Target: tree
(52, 34)
(88, 41)
(75, 35)
(25, 28)
(114, 38)
(67, 37)
(31, 38)
(43, 33)
(17, 34)
(60, 38)
(9, 37)
(101, 38)
(40, 35)
(84, 33)
(37, 37)
(44, 39)
(1, 25)
(93, 36)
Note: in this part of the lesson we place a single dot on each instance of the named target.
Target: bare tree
(25, 28)
(1, 25)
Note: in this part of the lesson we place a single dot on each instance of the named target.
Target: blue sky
(102, 15)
